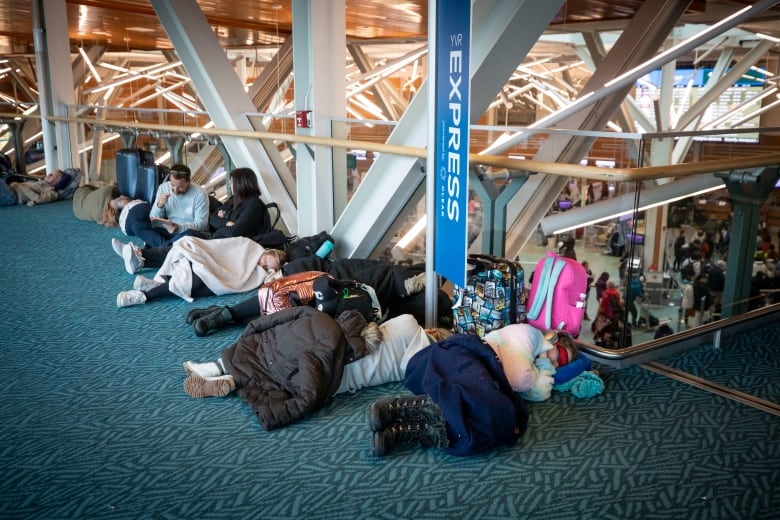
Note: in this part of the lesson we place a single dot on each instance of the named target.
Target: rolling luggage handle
(549, 277)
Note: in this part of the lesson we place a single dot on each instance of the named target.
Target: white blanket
(226, 265)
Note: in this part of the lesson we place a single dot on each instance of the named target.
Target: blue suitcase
(136, 174)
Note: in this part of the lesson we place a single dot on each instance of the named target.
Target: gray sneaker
(117, 246)
(143, 283)
(134, 260)
(128, 298)
(199, 387)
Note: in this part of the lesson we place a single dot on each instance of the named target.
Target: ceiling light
(413, 233)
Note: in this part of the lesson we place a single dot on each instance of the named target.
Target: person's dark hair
(63, 182)
(180, 171)
(245, 185)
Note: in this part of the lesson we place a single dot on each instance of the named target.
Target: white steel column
(608, 87)
(52, 60)
(319, 57)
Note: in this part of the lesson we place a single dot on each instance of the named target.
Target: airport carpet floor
(95, 423)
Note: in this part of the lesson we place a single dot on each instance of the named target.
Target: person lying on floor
(134, 220)
(395, 285)
(286, 365)
(392, 282)
(469, 392)
(20, 190)
(399, 288)
(463, 402)
(99, 203)
(195, 267)
(531, 357)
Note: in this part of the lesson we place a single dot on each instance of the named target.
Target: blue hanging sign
(451, 147)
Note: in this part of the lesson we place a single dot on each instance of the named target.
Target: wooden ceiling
(125, 25)
(256, 28)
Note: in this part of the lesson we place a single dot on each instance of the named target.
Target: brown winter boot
(217, 386)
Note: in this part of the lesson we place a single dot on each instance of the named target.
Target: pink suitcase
(557, 298)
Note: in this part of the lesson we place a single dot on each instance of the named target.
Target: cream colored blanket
(226, 265)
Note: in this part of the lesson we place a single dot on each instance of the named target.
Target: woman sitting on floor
(244, 214)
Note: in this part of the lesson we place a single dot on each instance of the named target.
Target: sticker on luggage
(493, 296)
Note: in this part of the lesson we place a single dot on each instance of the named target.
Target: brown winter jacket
(288, 364)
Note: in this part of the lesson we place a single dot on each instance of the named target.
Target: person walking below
(636, 291)
(601, 285)
(586, 265)
(679, 250)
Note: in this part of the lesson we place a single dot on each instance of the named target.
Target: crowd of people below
(701, 264)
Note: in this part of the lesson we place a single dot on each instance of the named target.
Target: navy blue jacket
(465, 378)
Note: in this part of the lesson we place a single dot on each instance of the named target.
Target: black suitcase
(493, 297)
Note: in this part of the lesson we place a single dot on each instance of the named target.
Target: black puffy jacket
(288, 364)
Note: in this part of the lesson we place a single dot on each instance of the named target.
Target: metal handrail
(707, 334)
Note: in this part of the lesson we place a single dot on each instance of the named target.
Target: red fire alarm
(303, 118)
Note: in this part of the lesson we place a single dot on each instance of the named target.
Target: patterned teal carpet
(95, 423)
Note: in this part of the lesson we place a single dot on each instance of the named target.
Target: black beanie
(325, 295)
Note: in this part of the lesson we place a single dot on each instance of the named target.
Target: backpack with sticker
(334, 296)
